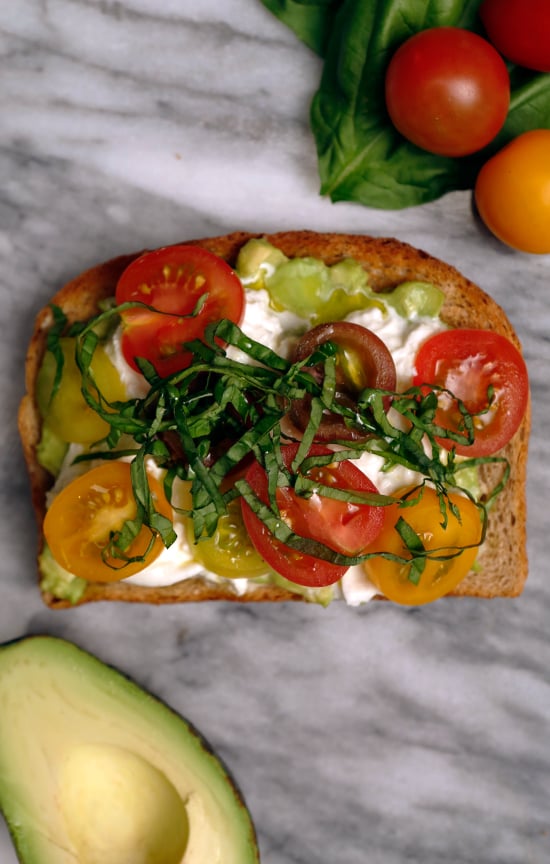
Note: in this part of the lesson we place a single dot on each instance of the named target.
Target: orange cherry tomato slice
(439, 577)
(81, 519)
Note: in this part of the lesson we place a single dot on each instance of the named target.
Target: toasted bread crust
(502, 562)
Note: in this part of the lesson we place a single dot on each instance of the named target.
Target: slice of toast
(501, 567)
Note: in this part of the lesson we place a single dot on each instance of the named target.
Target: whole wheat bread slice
(501, 567)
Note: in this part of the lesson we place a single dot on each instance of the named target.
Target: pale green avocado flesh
(95, 770)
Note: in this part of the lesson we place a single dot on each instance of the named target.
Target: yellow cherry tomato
(512, 193)
(229, 551)
(439, 577)
(67, 414)
(83, 517)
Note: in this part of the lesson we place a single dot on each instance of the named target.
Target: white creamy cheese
(135, 384)
(280, 331)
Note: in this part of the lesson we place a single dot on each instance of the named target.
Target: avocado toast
(501, 565)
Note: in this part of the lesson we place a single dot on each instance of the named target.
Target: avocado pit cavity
(118, 808)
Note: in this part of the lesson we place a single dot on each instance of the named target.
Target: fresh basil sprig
(361, 156)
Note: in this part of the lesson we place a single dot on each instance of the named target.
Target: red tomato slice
(172, 280)
(471, 364)
(344, 527)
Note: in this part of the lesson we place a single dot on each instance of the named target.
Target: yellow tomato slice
(83, 517)
(439, 577)
(229, 551)
(67, 413)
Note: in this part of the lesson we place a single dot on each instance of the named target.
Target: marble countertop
(378, 734)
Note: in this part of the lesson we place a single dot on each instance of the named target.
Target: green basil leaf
(361, 156)
(415, 546)
(311, 20)
(529, 106)
(55, 333)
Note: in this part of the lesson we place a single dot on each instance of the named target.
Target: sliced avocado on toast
(95, 770)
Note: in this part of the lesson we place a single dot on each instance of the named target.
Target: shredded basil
(53, 345)
(220, 410)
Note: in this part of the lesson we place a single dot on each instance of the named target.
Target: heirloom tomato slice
(343, 526)
(487, 373)
(362, 360)
(85, 515)
(186, 288)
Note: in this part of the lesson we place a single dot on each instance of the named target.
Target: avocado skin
(64, 673)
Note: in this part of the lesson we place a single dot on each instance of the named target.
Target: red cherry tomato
(520, 30)
(487, 373)
(173, 280)
(346, 528)
(447, 91)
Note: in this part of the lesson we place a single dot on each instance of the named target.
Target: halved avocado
(95, 770)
